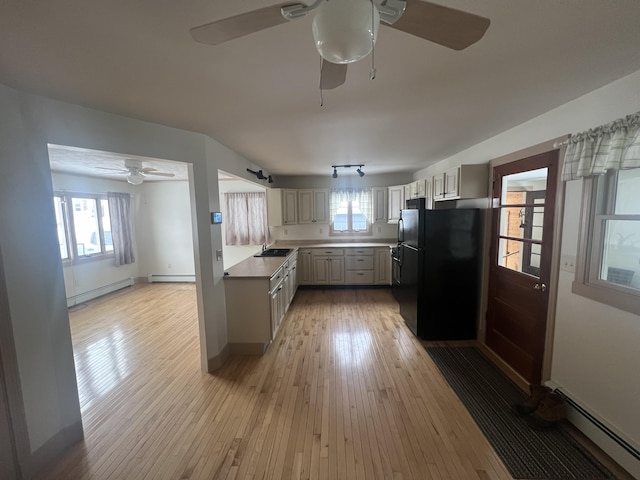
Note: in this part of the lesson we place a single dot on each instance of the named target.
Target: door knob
(540, 286)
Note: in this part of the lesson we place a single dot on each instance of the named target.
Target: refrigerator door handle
(400, 230)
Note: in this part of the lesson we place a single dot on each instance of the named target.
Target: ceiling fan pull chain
(372, 72)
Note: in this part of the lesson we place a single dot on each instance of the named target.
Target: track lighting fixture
(358, 170)
(260, 176)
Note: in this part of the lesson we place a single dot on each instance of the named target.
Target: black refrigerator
(439, 256)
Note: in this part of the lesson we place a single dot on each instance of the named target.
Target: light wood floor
(345, 392)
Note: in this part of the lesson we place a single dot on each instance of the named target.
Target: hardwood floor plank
(344, 392)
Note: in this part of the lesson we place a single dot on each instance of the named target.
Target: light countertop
(265, 267)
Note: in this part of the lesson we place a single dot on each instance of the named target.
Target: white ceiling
(259, 94)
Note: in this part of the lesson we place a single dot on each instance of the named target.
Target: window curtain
(120, 213)
(614, 146)
(245, 218)
(362, 196)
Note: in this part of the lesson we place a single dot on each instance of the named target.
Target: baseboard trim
(99, 292)
(613, 443)
(53, 449)
(171, 278)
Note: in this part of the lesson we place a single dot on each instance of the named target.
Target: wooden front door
(524, 193)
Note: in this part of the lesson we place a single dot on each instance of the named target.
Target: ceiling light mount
(358, 170)
(260, 176)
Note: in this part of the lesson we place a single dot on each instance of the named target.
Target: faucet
(264, 246)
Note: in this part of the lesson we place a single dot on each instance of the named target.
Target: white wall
(32, 267)
(164, 229)
(596, 350)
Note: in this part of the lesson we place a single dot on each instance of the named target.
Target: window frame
(350, 232)
(598, 202)
(69, 227)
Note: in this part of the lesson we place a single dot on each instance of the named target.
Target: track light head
(269, 179)
(335, 169)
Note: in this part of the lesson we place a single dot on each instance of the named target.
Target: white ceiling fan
(136, 173)
(346, 30)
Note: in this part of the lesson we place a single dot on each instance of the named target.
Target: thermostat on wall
(216, 217)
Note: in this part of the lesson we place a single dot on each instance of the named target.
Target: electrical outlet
(568, 263)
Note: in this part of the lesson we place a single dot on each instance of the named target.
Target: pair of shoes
(549, 413)
(538, 392)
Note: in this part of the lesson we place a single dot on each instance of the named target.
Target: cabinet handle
(359, 260)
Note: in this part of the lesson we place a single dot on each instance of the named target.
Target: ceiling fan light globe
(343, 29)
(135, 178)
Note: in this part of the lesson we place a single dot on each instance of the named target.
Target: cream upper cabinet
(438, 186)
(380, 204)
(313, 206)
(289, 207)
(274, 207)
(464, 181)
(396, 202)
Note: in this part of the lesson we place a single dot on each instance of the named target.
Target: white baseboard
(98, 292)
(171, 278)
(614, 443)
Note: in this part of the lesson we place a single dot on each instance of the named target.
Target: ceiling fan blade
(159, 174)
(220, 31)
(117, 170)
(332, 75)
(445, 26)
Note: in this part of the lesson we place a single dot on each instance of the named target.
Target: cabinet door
(320, 270)
(438, 186)
(305, 206)
(396, 203)
(275, 312)
(451, 188)
(305, 271)
(293, 278)
(289, 207)
(421, 190)
(380, 204)
(382, 267)
(336, 270)
(321, 206)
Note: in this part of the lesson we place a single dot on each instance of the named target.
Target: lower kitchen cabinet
(358, 264)
(256, 307)
(382, 266)
(328, 270)
(305, 266)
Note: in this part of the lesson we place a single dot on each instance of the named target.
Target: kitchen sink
(274, 252)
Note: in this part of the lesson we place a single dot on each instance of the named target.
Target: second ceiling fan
(345, 30)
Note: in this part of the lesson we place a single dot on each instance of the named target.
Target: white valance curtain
(120, 215)
(614, 146)
(245, 218)
(362, 196)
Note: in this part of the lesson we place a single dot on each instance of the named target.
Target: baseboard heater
(98, 292)
(621, 450)
(171, 278)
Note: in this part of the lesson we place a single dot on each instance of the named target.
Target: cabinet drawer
(359, 251)
(276, 279)
(358, 263)
(357, 277)
(327, 251)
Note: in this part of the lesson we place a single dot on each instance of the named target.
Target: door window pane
(523, 257)
(85, 224)
(515, 186)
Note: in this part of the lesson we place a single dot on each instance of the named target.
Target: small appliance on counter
(439, 267)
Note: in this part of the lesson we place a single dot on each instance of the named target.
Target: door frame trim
(555, 246)
(11, 377)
